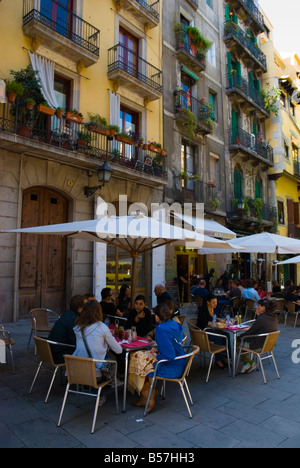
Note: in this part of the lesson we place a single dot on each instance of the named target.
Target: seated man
(266, 322)
(250, 293)
(62, 331)
(161, 294)
(108, 307)
(234, 291)
(201, 290)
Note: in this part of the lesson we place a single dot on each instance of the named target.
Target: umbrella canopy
(290, 261)
(211, 227)
(264, 243)
(134, 233)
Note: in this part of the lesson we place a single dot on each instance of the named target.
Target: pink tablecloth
(140, 343)
(238, 328)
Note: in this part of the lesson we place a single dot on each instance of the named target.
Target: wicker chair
(9, 342)
(280, 308)
(45, 355)
(201, 338)
(82, 372)
(267, 350)
(181, 381)
(40, 322)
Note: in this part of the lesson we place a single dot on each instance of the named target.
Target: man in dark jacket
(62, 331)
(266, 322)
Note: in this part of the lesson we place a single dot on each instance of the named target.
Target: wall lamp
(104, 176)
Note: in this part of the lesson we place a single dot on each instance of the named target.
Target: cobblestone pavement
(240, 412)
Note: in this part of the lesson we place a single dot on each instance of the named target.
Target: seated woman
(169, 336)
(140, 317)
(205, 316)
(123, 301)
(93, 337)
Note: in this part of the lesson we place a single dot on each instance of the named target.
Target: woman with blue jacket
(168, 336)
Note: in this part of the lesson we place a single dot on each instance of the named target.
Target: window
(211, 55)
(129, 122)
(128, 52)
(59, 14)
(119, 269)
(295, 152)
(187, 165)
(286, 150)
(238, 183)
(214, 169)
(280, 206)
(212, 99)
(292, 109)
(186, 85)
(62, 90)
(282, 99)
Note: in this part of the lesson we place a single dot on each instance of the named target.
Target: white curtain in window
(114, 102)
(45, 69)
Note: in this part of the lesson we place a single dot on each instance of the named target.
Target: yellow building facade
(283, 133)
(101, 59)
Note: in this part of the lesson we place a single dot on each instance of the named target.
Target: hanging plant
(192, 123)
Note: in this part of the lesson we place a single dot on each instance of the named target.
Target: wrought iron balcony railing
(237, 82)
(231, 29)
(266, 213)
(184, 101)
(151, 6)
(67, 135)
(240, 138)
(123, 59)
(55, 17)
(185, 44)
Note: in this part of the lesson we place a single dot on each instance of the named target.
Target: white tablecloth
(2, 352)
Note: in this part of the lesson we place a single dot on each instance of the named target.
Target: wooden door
(42, 276)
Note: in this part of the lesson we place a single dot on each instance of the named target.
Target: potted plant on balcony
(178, 29)
(74, 115)
(30, 103)
(14, 89)
(59, 112)
(44, 108)
(84, 137)
(98, 124)
(214, 203)
(124, 137)
(197, 39)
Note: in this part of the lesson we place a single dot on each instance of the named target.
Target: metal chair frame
(44, 327)
(267, 349)
(181, 381)
(45, 355)
(88, 379)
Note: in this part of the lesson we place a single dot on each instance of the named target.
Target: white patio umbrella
(290, 261)
(263, 243)
(134, 233)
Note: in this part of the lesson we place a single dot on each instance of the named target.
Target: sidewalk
(241, 412)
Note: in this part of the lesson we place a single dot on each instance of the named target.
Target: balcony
(240, 43)
(125, 68)
(251, 214)
(297, 168)
(194, 4)
(190, 189)
(184, 103)
(250, 147)
(23, 131)
(249, 99)
(249, 13)
(187, 54)
(146, 11)
(61, 30)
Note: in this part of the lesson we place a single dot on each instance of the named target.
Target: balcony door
(58, 12)
(128, 54)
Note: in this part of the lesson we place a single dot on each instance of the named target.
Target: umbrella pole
(135, 257)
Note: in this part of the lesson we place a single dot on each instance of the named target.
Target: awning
(189, 72)
(211, 227)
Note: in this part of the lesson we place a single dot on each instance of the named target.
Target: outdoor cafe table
(234, 331)
(138, 345)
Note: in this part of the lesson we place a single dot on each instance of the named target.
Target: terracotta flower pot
(11, 97)
(45, 110)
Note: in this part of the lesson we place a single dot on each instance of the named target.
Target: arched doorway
(42, 278)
